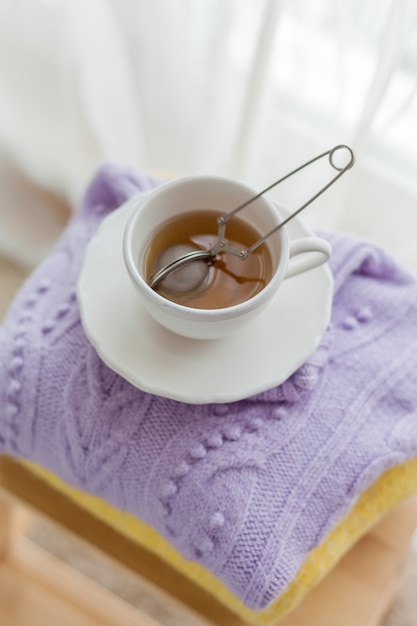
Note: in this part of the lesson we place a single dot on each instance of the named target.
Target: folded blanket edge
(391, 488)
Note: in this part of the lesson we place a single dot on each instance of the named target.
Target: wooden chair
(359, 590)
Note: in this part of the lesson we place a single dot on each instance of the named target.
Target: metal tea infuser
(194, 264)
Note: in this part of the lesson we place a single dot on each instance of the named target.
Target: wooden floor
(40, 586)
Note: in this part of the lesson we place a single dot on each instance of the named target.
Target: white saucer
(152, 358)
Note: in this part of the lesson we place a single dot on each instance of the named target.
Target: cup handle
(307, 253)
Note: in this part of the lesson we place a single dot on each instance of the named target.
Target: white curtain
(247, 88)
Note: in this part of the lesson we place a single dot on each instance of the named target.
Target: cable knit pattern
(249, 488)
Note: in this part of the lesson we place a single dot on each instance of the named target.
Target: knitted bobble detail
(15, 365)
(12, 410)
(215, 441)
(13, 388)
(44, 285)
(217, 520)
(48, 326)
(232, 432)
(350, 323)
(19, 346)
(24, 319)
(205, 546)
(361, 316)
(31, 301)
(277, 413)
(198, 452)
(365, 314)
(169, 489)
(164, 509)
(63, 309)
(255, 423)
(182, 469)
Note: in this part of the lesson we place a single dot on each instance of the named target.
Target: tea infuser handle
(306, 254)
(221, 243)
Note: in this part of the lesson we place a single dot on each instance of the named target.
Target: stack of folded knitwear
(255, 500)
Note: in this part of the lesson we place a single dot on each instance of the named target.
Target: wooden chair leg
(5, 525)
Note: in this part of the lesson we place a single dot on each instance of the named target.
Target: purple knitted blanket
(248, 488)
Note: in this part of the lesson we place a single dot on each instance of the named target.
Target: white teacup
(221, 194)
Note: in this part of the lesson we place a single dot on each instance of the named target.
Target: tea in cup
(227, 292)
(225, 281)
